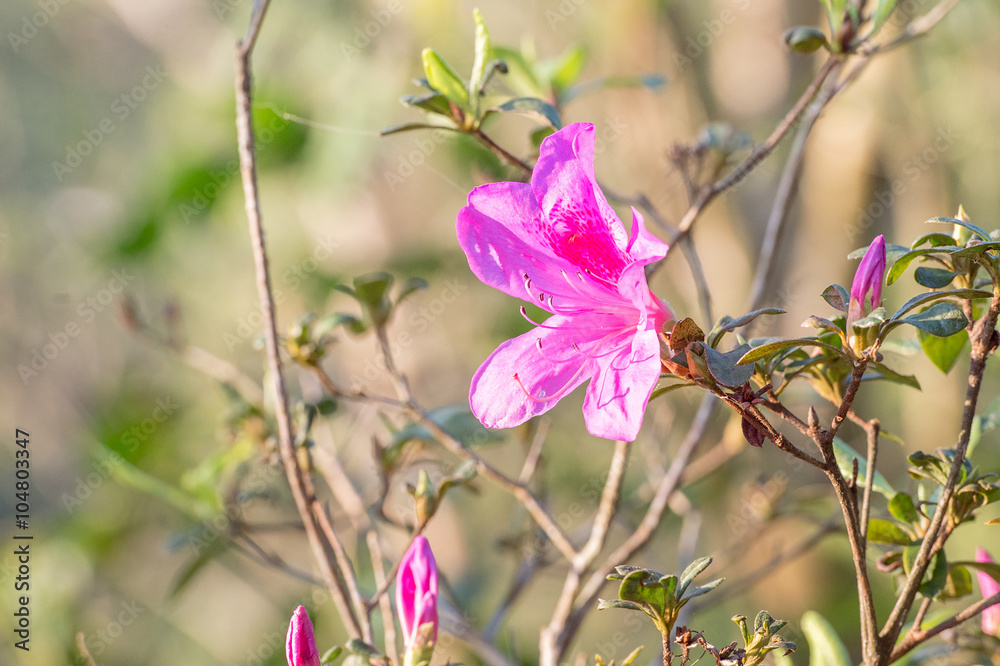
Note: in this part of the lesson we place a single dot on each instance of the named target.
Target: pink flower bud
(416, 596)
(989, 587)
(868, 278)
(300, 645)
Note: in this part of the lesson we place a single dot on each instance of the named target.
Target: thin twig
(248, 171)
(981, 338)
(757, 155)
(872, 432)
(913, 639)
(503, 154)
(346, 570)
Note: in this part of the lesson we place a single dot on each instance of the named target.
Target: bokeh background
(118, 180)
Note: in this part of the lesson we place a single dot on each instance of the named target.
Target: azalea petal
(653, 313)
(644, 247)
(500, 401)
(582, 227)
(501, 233)
(617, 397)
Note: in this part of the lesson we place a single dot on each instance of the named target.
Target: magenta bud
(300, 645)
(416, 600)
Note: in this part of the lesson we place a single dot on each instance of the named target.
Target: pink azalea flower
(989, 587)
(868, 278)
(300, 644)
(416, 597)
(556, 243)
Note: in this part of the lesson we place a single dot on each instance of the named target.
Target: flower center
(582, 237)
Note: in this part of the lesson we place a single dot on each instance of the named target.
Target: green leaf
(933, 278)
(979, 231)
(443, 79)
(902, 508)
(940, 319)
(990, 568)
(691, 572)
(883, 372)
(768, 348)
(803, 39)
(531, 106)
(409, 287)
(846, 456)
(657, 392)
(958, 583)
(943, 352)
(359, 647)
(478, 78)
(631, 656)
(330, 655)
(921, 299)
(938, 576)
(825, 647)
(975, 250)
(935, 238)
(565, 70)
(884, 531)
(372, 291)
(897, 268)
(699, 590)
(432, 102)
(837, 297)
(881, 14)
(603, 604)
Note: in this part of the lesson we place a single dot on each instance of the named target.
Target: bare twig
(501, 152)
(915, 638)
(248, 171)
(81, 645)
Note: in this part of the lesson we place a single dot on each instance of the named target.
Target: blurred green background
(118, 177)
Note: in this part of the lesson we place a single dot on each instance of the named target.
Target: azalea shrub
(542, 230)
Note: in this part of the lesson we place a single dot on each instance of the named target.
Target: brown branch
(757, 155)
(500, 152)
(981, 338)
(248, 172)
(915, 638)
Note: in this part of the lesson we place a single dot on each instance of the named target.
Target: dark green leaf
(958, 583)
(933, 278)
(979, 231)
(359, 647)
(886, 532)
(410, 286)
(661, 390)
(837, 297)
(531, 106)
(940, 319)
(724, 367)
(943, 352)
(921, 299)
(443, 79)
